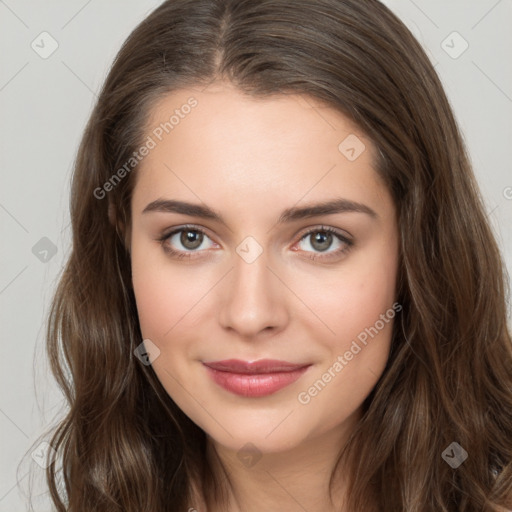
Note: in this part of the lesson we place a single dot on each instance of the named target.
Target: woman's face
(260, 271)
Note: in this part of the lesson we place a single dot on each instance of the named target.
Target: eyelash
(315, 256)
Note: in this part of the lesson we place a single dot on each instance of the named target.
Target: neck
(294, 480)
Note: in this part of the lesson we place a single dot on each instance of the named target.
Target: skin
(249, 159)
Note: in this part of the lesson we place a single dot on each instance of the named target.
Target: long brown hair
(124, 445)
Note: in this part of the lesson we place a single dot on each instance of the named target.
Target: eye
(324, 238)
(184, 241)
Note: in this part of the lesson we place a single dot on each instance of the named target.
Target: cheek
(359, 306)
(353, 298)
(166, 304)
(166, 297)
(156, 299)
(355, 356)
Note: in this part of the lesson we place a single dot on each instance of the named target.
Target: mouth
(256, 378)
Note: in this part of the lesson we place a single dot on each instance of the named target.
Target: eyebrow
(333, 206)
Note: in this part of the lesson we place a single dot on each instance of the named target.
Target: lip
(254, 378)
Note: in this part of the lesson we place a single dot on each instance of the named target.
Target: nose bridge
(254, 298)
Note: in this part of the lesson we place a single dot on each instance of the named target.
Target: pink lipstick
(254, 379)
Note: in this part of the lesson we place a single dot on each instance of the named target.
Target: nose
(253, 299)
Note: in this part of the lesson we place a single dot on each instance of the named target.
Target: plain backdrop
(45, 100)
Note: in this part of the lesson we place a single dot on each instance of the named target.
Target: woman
(283, 292)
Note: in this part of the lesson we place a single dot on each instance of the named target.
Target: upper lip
(254, 367)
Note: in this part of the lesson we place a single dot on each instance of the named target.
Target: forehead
(221, 144)
(225, 114)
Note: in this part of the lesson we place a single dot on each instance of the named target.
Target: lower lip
(255, 385)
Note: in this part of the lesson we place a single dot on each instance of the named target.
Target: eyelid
(184, 227)
(301, 234)
(322, 227)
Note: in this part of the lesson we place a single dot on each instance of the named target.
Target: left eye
(322, 239)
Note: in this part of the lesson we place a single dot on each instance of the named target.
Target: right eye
(190, 238)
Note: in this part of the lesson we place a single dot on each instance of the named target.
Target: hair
(124, 444)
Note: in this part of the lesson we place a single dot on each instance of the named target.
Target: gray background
(45, 103)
